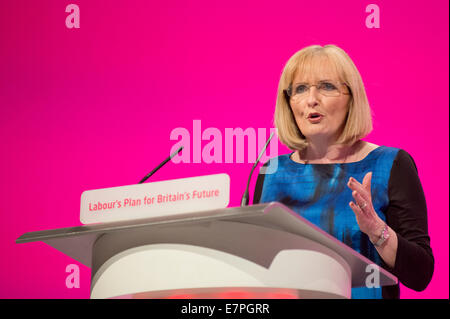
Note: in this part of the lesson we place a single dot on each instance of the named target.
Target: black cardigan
(407, 216)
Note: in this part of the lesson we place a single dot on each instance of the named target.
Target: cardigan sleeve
(407, 216)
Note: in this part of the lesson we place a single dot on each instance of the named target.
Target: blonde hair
(359, 118)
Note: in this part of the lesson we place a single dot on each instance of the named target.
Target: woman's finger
(355, 186)
(367, 181)
(357, 210)
(361, 202)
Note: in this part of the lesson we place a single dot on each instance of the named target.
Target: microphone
(245, 197)
(161, 165)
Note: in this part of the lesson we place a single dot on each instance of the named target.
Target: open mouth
(315, 117)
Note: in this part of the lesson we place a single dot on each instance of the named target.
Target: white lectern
(265, 249)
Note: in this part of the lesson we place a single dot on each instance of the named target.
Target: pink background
(94, 107)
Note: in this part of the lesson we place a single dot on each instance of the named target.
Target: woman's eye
(327, 86)
(302, 88)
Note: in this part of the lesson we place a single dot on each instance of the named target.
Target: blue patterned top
(319, 193)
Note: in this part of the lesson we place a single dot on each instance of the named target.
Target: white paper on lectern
(165, 198)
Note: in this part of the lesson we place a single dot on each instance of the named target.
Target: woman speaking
(368, 196)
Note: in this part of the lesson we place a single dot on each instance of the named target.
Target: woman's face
(320, 111)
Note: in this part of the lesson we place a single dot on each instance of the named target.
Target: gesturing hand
(366, 217)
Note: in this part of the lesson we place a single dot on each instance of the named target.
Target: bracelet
(384, 236)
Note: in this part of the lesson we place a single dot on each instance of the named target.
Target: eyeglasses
(297, 92)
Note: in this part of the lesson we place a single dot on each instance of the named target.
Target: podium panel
(218, 254)
(264, 249)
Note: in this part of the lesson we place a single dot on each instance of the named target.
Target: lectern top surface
(227, 213)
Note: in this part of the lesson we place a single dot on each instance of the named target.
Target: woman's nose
(313, 96)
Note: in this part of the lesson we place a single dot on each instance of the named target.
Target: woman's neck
(324, 153)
